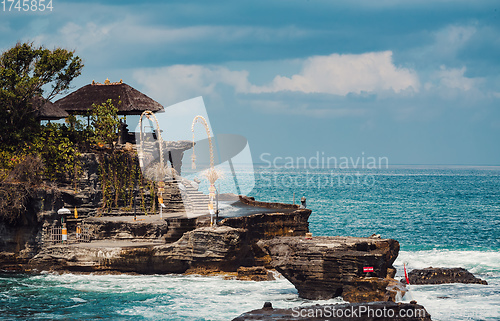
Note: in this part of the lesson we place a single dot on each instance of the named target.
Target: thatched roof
(46, 109)
(133, 102)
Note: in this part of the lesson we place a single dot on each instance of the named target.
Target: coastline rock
(202, 245)
(371, 289)
(106, 229)
(380, 311)
(268, 225)
(327, 267)
(252, 202)
(23, 240)
(222, 248)
(254, 273)
(432, 275)
(219, 249)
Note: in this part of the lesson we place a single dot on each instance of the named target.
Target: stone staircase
(195, 202)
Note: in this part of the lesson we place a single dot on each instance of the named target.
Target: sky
(415, 81)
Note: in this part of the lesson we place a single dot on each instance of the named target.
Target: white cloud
(454, 78)
(343, 74)
(180, 82)
(449, 40)
(334, 74)
(83, 38)
(112, 30)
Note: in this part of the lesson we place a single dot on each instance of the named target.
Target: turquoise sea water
(442, 216)
(422, 207)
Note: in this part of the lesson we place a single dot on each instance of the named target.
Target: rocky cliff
(358, 269)
(269, 225)
(22, 239)
(320, 268)
(221, 249)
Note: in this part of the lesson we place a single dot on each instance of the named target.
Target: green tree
(27, 71)
(105, 122)
(58, 152)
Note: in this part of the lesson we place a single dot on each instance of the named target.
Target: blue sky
(415, 81)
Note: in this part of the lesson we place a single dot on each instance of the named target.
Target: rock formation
(220, 249)
(107, 229)
(326, 267)
(254, 273)
(432, 275)
(359, 269)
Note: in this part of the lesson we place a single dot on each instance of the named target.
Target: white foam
(78, 300)
(474, 261)
(456, 301)
(178, 297)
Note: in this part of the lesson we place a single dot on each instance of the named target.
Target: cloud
(72, 35)
(454, 78)
(334, 74)
(180, 82)
(451, 39)
(330, 86)
(343, 74)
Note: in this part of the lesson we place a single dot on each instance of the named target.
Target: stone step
(201, 199)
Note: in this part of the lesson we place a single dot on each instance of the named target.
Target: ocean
(443, 216)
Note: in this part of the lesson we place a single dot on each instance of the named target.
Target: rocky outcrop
(269, 225)
(108, 229)
(327, 267)
(252, 202)
(320, 268)
(287, 221)
(17, 244)
(21, 240)
(380, 311)
(432, 275)
(254, 273)
(221, 249)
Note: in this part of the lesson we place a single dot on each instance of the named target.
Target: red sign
(368, 269)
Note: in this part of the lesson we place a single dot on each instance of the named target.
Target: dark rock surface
(251, 201)
(380, 311)
(221, 249)
(432, 275)
(254, 273)
(269, 225)
(327, 267)
(107, 229)
(20, 241)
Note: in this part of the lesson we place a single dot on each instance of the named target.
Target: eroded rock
(327, 267)
(254, 273)
(432, 275)
(222, 249)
